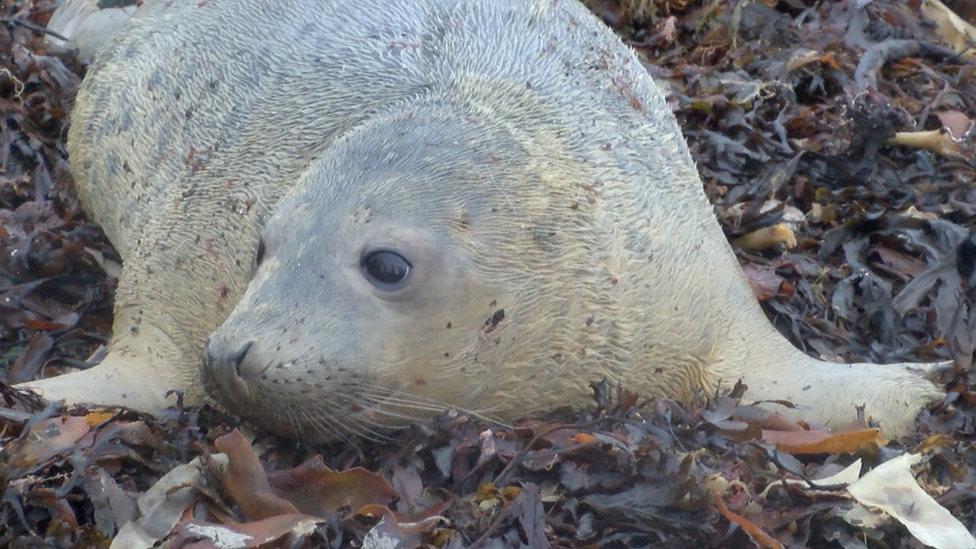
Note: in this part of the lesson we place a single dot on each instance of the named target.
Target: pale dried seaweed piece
(892, 488)
(162, 507)
(953, 29)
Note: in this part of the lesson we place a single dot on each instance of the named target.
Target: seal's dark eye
(385, 269)
(260, 255)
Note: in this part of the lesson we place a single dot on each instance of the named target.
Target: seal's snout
(228, 357)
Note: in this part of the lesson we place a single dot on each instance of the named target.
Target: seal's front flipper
(105, 384)
(138, 373)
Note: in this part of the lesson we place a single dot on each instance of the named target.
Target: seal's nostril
(235, 358)
(225, 356)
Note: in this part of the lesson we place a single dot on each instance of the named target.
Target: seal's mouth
(354, 407)
(274, 411)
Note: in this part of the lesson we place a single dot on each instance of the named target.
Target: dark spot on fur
(449, 326)
(589, 321)
(546, 240)
(496, 318)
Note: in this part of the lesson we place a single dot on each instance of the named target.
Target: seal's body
(377, 210)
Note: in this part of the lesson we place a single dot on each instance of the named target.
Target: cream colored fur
(516, 148)
(87, 27)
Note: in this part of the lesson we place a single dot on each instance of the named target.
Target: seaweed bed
(853, 127)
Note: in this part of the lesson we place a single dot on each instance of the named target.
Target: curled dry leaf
(764, 281)
(48, 438)
(246, 482)
(317, 490)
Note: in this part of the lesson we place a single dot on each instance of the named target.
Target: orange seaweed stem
(761, 538)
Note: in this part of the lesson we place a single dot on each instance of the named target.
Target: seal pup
(481, 204)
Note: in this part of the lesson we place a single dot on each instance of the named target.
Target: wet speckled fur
(515, 148)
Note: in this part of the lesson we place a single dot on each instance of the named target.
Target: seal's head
(432, 258)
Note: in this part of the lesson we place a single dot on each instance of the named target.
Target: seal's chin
(291, 415)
